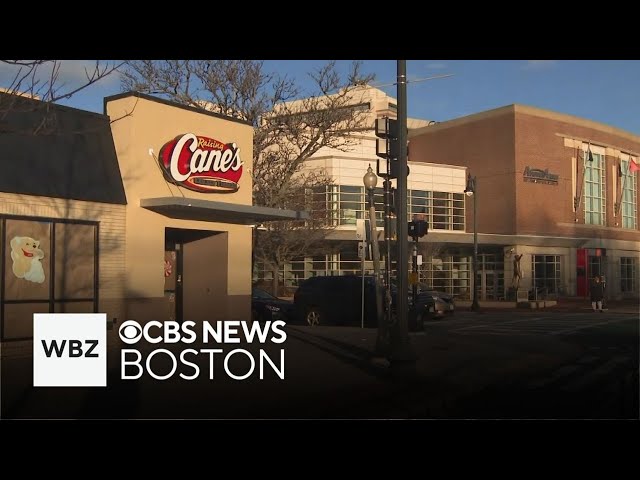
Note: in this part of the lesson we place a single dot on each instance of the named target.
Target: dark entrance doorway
(195, 274)
(173, 278)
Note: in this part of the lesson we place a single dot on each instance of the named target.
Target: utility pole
(387, 239)
(401, 351)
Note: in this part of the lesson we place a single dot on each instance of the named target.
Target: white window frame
(628, 196)
(628, 282)
(590, 200)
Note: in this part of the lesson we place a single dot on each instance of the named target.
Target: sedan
(265, 306)
(433, 304)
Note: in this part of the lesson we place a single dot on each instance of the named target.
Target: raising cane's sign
(201, 164)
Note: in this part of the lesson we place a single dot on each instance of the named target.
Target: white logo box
(77, 348)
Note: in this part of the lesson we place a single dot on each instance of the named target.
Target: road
(595, 375)
(508, 364)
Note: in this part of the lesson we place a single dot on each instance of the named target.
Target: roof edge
(152, 98)
(518, 108)
(581, 121)
(59, 106)
(473, 117)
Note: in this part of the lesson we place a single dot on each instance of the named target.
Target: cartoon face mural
(26, 255)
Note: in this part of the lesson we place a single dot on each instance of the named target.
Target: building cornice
(527, 110)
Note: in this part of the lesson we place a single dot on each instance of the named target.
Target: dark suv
(338, 300)
(335, 300)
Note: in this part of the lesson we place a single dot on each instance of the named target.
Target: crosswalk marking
(564, 371)
(571, 330)
(579, 374)
(599, 372)
(551, 325)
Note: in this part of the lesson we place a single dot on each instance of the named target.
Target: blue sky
(606, 91)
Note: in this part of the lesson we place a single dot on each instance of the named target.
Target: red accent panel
(581, 273)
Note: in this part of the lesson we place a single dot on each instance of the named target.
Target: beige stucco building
(215, 256)
(434, 190)
(142, 213)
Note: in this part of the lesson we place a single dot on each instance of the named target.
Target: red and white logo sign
(201, 164)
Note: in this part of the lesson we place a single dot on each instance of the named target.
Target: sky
(606, 91)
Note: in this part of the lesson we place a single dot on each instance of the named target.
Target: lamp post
(370, 180)
(472, 191)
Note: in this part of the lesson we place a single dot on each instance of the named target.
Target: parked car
(334, 300)
(338, 300)
(265, 306)
(432, 304)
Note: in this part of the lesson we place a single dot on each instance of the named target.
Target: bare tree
(287, 132)
(40, 79)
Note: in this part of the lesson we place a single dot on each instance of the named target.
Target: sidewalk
(564, 304)
(578, 305)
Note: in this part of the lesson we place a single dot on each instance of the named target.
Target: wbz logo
(69, 350)
(75, 348)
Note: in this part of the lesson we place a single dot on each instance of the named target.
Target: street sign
(419, 260)
(362, 248)
(360, 231)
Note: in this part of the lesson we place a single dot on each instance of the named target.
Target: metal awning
(221, 212)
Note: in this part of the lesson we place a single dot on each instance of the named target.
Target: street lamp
(370, 181)
(472, 191)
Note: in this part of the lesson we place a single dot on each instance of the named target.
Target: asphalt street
(503, 365)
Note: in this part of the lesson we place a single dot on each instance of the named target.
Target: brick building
(554, 188)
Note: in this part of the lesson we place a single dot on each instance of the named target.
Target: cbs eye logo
(130, 332)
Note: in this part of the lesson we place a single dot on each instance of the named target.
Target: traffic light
(386, 127)
(392, 204)
(418, 229)
(395, 169)
(387, 146)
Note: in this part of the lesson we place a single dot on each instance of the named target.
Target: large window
(443, 210)
(628, 275)
(49, 266)
(629, 196)
(446, 273)
(344, 262)
(347, 203)
(546, 272)
(594, 194)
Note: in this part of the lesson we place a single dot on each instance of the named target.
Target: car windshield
(257, 293)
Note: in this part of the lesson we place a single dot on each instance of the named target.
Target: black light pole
(471, 191)
(370, 181)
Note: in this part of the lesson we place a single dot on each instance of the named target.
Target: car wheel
(313, 317)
